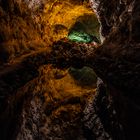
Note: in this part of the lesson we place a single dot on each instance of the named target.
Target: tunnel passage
(85, 29)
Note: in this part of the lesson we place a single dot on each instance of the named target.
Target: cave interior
(69, 70)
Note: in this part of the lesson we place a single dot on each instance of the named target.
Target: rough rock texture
(100, 119)
(121, 53)
(19, 33)
(38, 101)
(48, 107)
(116, 60)
(121, 48)
(28, 26)
(41, 102)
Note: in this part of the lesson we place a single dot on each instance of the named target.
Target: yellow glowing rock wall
(59, 16)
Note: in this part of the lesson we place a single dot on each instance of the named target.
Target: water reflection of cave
(85, 30)
(84, 77)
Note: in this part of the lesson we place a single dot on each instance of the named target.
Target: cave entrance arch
(85, 29)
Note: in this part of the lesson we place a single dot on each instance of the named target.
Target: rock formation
(41, 100)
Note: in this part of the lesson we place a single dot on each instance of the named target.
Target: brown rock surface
(38, 101)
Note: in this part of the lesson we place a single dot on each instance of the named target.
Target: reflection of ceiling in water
(84, 77)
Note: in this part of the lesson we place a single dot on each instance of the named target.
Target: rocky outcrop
(121, 53)
(120, 43)
(19, 33)
(37, 101)
(42, 102)
(100, 118)
(52, 106)
(116, 61)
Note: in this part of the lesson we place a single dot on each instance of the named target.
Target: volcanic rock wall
(39, 101)
(121, 52)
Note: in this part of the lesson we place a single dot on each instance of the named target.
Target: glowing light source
(80, 37)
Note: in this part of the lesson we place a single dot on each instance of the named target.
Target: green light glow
(80, 37)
